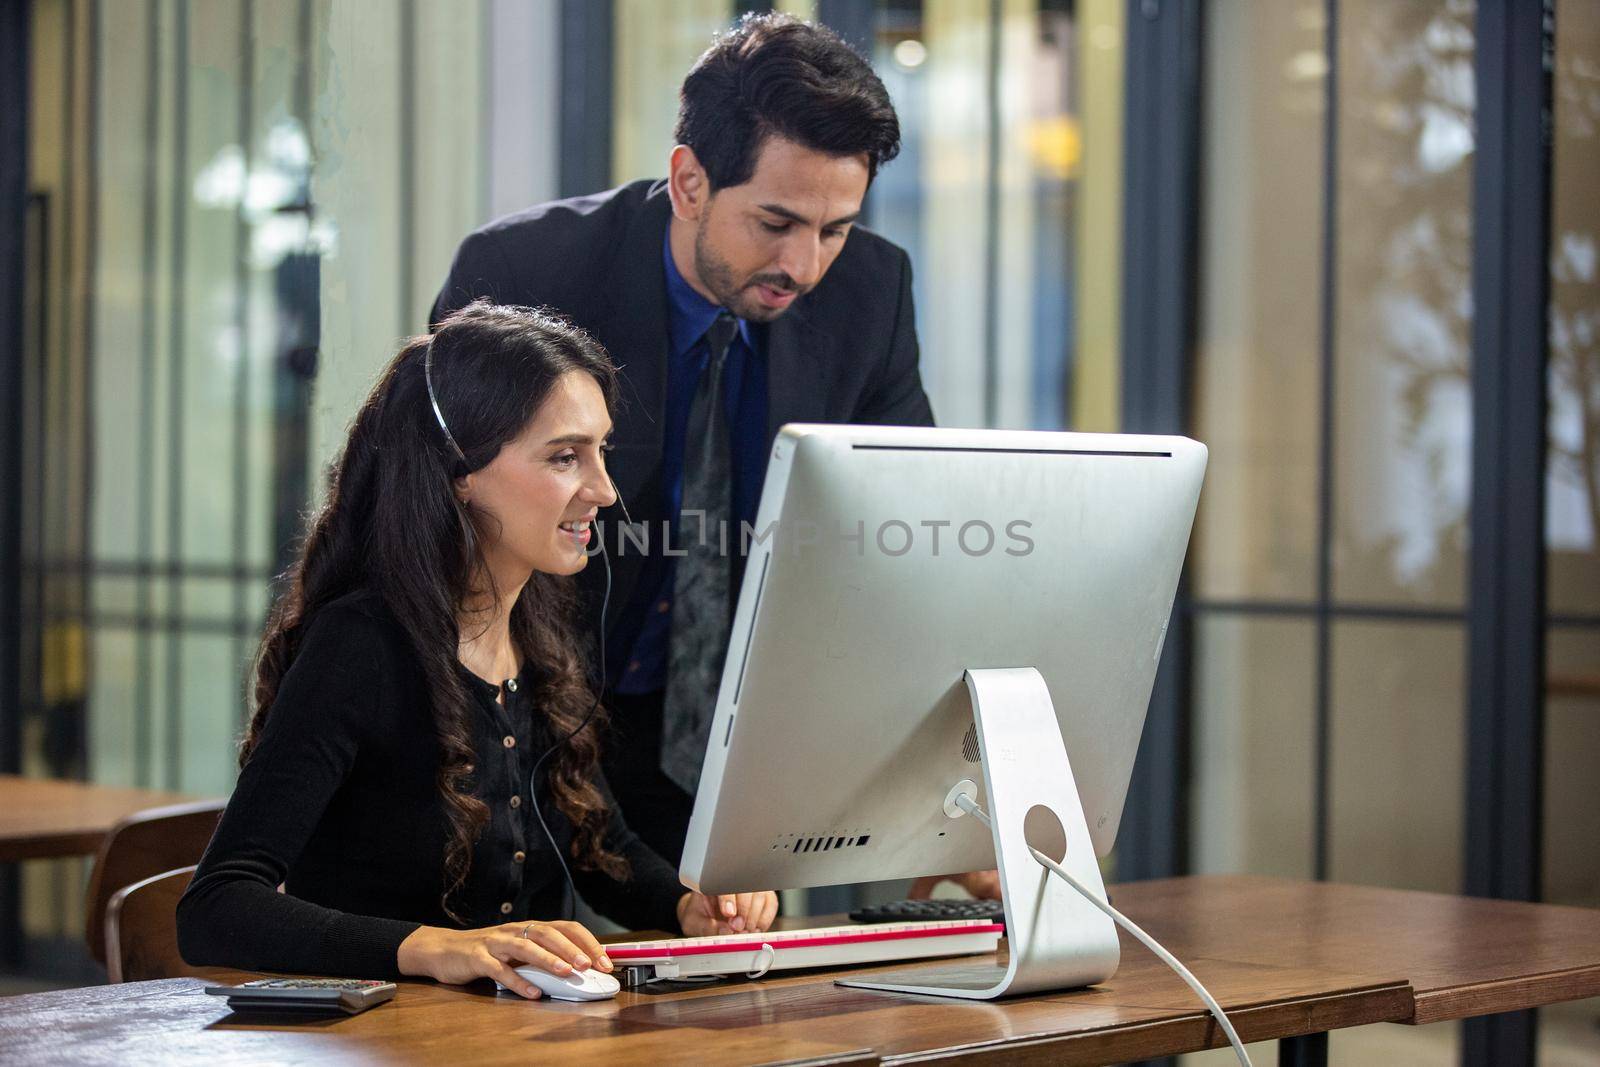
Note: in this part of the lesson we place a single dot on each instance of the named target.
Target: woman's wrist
(417, 953)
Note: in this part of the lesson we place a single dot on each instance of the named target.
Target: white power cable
(1150, 943)
(968, 805)
(767, 957)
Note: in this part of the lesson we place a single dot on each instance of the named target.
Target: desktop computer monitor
(889, 571)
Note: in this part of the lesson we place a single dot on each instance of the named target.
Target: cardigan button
(511, 684)
(519, 857)
(509, 742)
(516, 802)
(505, 909)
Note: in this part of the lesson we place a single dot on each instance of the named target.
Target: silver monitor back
(894, 559)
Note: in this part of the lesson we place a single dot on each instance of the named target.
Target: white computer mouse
(578, 985)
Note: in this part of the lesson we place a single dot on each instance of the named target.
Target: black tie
(702, 601)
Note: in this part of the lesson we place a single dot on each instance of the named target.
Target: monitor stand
(1057, 939)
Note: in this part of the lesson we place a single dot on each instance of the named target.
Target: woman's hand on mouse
(460, 956)
(730, 913)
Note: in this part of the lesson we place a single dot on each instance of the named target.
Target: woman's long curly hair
(394, 524)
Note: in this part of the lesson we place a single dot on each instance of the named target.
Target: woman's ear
(463, 488)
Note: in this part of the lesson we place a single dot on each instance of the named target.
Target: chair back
(145, 843)
(142, 929)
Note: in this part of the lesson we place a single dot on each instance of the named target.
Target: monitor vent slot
(969, 745)
(813, 843)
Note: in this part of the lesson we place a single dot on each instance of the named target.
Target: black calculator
(330, 995)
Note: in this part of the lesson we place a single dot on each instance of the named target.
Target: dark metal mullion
(241, 313)
(991, 221)
(1160, 221)
(16, 31)
(56, 388)
(585, 131)
(1506, 623)
(1322, 727)
(1301, 608)
(30, 486)
(1160, 225)
(1373, 612)
(1510, 300)
(144, 537)
(55, 509)
(856, 23)
(177, 337)
(86, 318)
(406, 165)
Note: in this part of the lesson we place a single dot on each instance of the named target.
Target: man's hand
(730, 913)
(984, 885)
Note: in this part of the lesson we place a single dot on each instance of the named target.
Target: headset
(605, 603)
(533, 775)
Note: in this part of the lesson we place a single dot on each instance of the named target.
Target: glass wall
(1257, 386)
(1572, 506)
(1403, 314)
(1334, 391)
(1332, 388)
(237, 209)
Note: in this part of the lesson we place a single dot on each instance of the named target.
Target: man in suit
(737, 295)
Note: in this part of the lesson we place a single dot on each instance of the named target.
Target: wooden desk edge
(860, 1057)
(1387, 1003)
(1505, 994)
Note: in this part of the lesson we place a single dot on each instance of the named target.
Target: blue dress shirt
(744, 389)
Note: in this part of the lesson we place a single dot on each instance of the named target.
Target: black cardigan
(339, 803)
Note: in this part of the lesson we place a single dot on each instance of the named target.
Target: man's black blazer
(844, 352)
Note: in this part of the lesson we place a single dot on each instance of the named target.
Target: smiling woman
(422, 657)
(542, 490)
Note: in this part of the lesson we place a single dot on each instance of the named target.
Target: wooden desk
(45, 818)
(1463, 956)
(1285, 958)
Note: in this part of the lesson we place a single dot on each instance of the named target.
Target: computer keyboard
(925, 910)
(828, 946)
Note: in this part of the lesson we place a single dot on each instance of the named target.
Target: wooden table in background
(1288, 960)
(46, 818)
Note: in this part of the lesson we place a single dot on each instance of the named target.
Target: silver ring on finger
(524, 934)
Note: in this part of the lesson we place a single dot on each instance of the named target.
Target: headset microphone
(533, 776)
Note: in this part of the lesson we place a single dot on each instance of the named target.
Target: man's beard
(717, 276)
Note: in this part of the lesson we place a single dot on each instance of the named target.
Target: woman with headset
(419, 693)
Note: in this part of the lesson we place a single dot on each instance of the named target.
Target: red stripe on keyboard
(688, 948)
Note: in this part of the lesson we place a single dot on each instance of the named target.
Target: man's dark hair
(773, 75)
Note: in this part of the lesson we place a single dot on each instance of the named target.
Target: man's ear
(687, 184)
